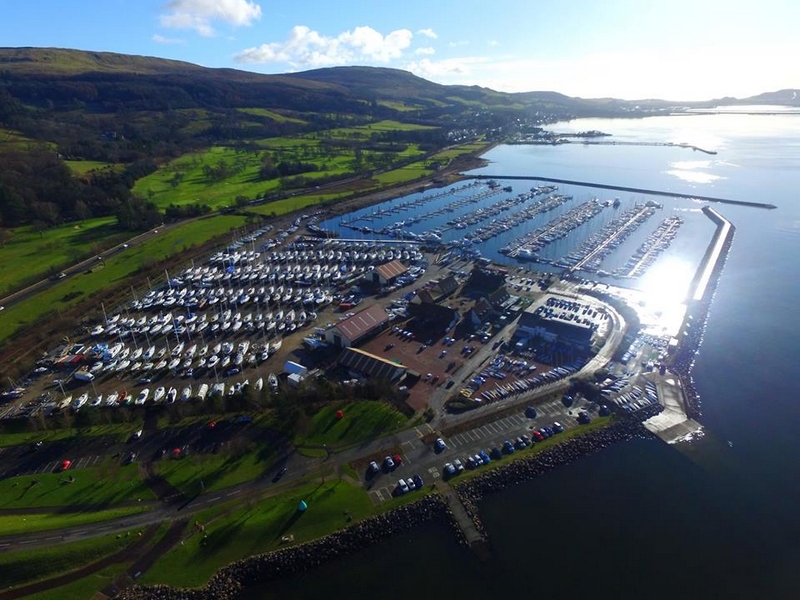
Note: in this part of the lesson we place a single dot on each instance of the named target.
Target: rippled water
(644, 520)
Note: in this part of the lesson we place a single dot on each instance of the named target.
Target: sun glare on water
(664, 290)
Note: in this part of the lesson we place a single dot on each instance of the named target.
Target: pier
(605, 186)
(473, 537)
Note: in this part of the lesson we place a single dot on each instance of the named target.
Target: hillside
(84, 134)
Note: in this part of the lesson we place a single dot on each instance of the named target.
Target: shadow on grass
(293, 518)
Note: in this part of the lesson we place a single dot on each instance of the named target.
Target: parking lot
(420, 458)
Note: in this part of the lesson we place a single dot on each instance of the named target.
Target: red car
(537, 435)
(66, 464)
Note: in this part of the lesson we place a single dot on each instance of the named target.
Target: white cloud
(458, 43)
(449, 70)
(199, 14)
(165, 40)
(308, 48)
(430, 33)
(426, 51)
(494, 43)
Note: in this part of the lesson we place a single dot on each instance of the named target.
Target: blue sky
(680, 50)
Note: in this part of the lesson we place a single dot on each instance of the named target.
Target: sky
(675, 50)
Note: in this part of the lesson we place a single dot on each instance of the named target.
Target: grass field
(23, 567)
(271, 114)
(83, 588)
(115, 271)
(195, 187)
(399, 105)
(31, 255)
(82, 167)
(29, 523)
(361, 421)
(258, 528)
(106, 484)
(14, 140)
(216, 471)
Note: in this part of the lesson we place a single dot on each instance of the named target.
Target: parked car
(374, 468)
(388, 463)
(496, 453)
(418, 482)
(458, 465)
(449, 469)
(583, 417)
(557, 427)
(508, 447)
(65, 464)
(484, 457)
(530, 412)
(439, 445)
(402, 487)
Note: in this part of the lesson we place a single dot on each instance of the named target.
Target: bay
(642, 519)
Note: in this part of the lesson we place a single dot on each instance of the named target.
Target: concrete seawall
(621, 188)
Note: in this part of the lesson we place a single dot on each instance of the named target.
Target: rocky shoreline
(519, 471)
(230, 581)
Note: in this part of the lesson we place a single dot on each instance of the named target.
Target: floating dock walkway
(605, 186)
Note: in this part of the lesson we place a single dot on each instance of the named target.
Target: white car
(402, 486)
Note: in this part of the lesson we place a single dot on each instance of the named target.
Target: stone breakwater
(682, 361)
(231, 580)
(518, 471)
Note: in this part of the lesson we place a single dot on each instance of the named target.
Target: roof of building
(574, 332)
(391, 269)
(363, 322)
(448, 285)
(429, 311)
(371, 364)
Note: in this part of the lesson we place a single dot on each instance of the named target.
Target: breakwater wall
(622, 188)
(701, 296)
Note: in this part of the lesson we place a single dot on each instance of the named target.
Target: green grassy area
(403, 174)
(106, 484)
(29, 254)
(82, 167)
(83, 588)
(271, 114)
(115, 270)
(195, 186)
(14, 140)
(22, 567)
(399, 105)
(572, 432)
(364, 132)
(259, 526)
(452, 153)
(29, 523)
(122, 431)
(216, 471)
(361, 421)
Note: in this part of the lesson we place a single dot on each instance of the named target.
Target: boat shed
(361, 325)
(371, 365)
(387, 273)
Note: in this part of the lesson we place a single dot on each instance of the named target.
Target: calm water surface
(644, 520)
